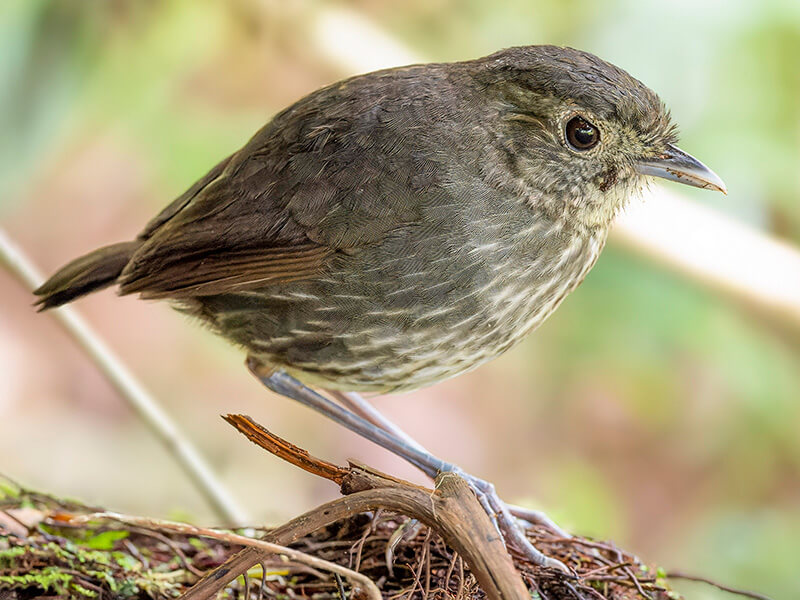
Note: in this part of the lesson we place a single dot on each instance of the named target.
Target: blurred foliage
(697, 386)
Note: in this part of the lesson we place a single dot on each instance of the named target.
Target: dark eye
(581, 134)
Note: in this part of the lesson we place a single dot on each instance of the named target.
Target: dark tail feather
(86, 274)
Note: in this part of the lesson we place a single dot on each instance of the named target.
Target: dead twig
(172, 546)
(286, 450)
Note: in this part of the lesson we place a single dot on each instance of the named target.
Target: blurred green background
(647, 409)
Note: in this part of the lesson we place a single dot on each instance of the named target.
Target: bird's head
(581, 133)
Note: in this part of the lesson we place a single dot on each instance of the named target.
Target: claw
(509, 528)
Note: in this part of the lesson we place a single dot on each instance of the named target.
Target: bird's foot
(509, 526)
(363, 419)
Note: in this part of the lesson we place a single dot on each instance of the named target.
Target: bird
(402, 227)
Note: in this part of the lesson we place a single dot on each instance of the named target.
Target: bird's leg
(363, 408)
(286, 385)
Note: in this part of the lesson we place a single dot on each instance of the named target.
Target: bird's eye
(581, 134)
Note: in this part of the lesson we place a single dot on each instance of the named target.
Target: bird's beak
(676, 165)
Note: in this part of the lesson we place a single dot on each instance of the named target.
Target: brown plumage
(403, 226)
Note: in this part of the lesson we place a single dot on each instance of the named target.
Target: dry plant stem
(131, 390)
(285, 450)
(264, 548)
(451, 509)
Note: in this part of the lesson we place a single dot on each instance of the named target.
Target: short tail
(89, 273)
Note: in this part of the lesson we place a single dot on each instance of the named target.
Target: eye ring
(581, 135)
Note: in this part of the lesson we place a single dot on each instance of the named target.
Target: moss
(48, 579)
(80, 562)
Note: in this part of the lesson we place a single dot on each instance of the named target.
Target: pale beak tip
(718, 186)
(714, 181)
(677, 165)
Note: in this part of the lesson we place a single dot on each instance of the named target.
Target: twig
(340, 587)
(172, 546)
(358, 547)
(418, 572)
(84, 581)
(636, 582)
(406, 531)
(136, 554)
(609, 568)
(427, 564)
(592, 591)
(232, 538)
(285, 449)
(449, 572)
(262, 588)
(572, 589)
(460, 590)
(131, 390)
(724, 588)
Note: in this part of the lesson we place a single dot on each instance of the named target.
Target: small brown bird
(401, 227)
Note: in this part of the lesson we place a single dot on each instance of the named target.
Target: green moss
(48, 579)
(84, 591)
(8, 555)
(71, 566)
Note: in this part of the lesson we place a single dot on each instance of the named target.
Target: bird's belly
(406, 337)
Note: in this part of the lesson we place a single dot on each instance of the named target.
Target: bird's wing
(181, 201)
(309, 185)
